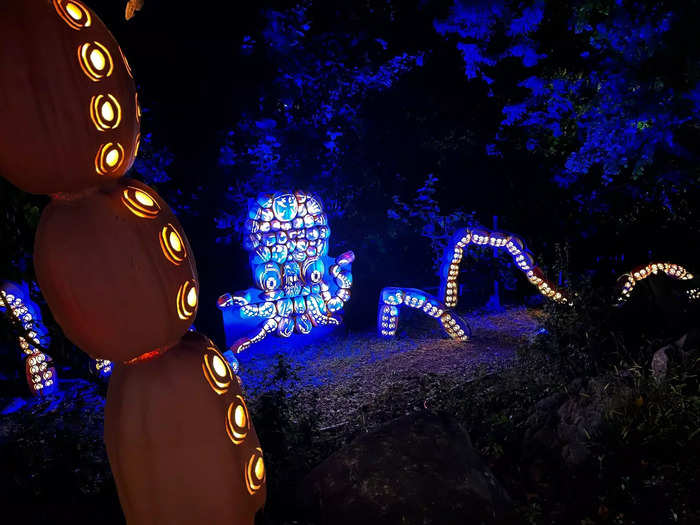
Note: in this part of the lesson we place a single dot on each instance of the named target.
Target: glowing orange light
(255, 472)
(95, 61)
(138, 143)
(145, 357)
(140, 203)
(237, 421)
(109, 158)
(192, 298)
(138, 108)
(186, 300)
(216, 371)
(73, 13)
(105, 112)
(126, 63)
(173, 247)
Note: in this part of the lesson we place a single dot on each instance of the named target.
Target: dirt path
(350, 375)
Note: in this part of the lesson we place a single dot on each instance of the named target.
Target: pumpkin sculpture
(190, 453)
(67, 99)
(118, 272)
(141, 294)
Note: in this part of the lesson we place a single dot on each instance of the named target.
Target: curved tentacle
(341, 271)
(482, 237)
(393, 298)
(41, 377)
(318, 313)
(266, 329)
(628, 281)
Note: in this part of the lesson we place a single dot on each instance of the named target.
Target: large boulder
(418, 469)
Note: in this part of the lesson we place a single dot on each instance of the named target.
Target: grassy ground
(349, 373)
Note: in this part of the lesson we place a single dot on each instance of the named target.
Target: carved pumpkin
(180, 440)
(69, 116)
(116, 270)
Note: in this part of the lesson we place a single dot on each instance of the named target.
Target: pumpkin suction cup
(180, 441)
(117, 271)
(69, 116)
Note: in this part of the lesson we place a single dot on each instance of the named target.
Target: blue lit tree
(603, 92)
(309, 115)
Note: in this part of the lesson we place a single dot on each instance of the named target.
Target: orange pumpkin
(69, 116)
(116, 270)
(180, 440)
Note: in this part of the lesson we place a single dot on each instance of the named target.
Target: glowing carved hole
(144, 198)
(173, 248)
(109, 158)
(73, 13)
(95, 61)
(219, 367)
(186, 300)
(239, 416)
(192, 298)
(138, 143)
(237, 421)
(216, 371)
(140, 203)
(105, 112)
(255, 472)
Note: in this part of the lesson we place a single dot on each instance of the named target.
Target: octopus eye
(268, 276)
(314, 271)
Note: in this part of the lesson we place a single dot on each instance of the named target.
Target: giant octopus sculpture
(287, 238)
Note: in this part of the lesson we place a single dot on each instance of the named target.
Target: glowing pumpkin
(116, 270)
(180, 441)
(68, 108)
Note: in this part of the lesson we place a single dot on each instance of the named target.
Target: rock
(659, 365)
(561, 426)
(541, 427)
(418, 469)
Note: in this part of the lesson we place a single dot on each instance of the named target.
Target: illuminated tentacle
(392, 299)
(101, 367)
(41, 377)
(266, 329)
(628, 281)
(341, 271)
(318, 313)
(481, 237)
